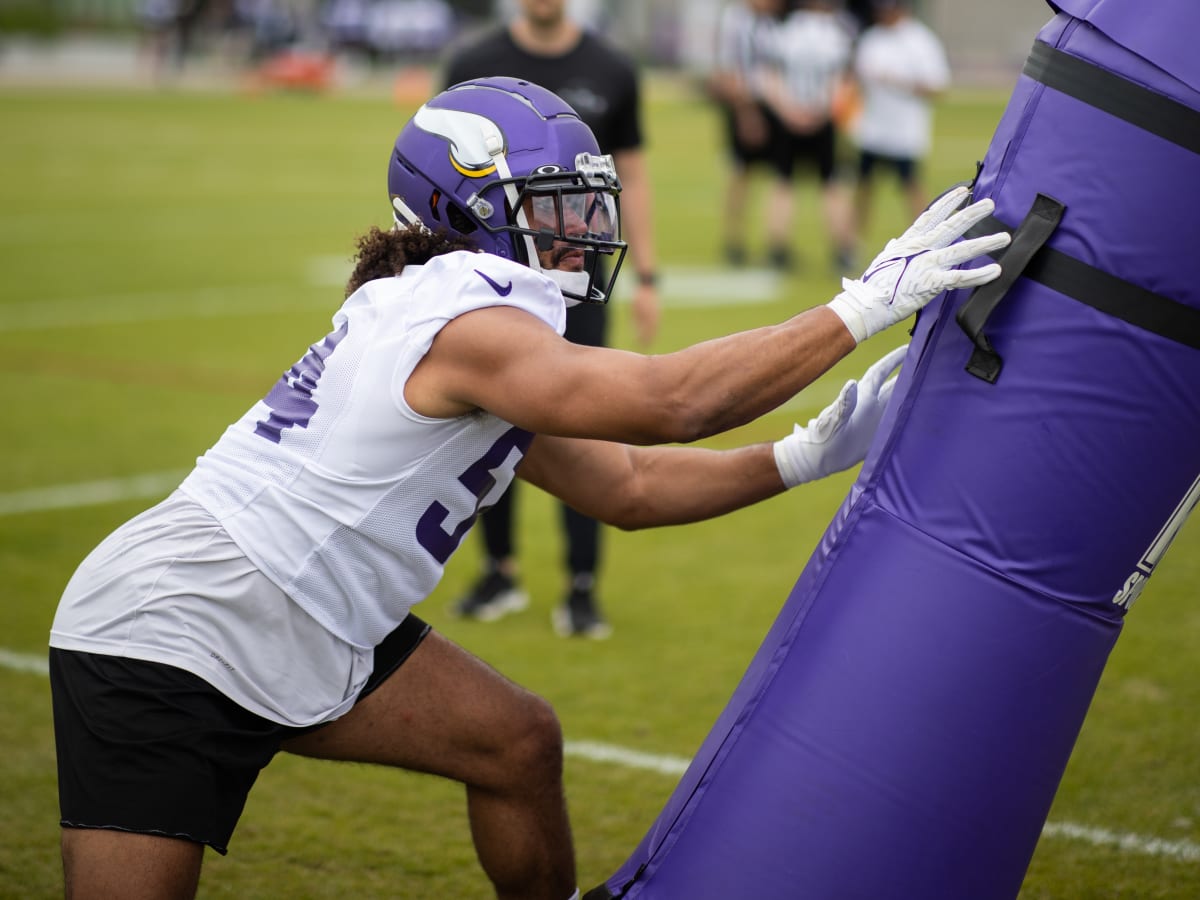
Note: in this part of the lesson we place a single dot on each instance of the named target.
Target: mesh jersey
(896, 64)
(334, 487)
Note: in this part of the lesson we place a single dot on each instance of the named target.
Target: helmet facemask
(566, 225)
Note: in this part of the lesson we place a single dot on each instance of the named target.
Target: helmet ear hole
(459, 220)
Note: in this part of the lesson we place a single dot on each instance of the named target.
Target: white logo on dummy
(1136, 582)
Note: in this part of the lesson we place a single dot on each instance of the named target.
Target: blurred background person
(900, 66)
(405, 32)
(545, 44)
(175, 31)
(159, 24)
(815, 46)
(744, 54)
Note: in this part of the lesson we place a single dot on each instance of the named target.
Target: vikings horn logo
(474, 141)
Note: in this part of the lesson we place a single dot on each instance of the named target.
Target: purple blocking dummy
(904, 726)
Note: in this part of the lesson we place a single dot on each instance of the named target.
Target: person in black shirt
(544, 45)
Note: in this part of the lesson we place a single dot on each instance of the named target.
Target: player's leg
(864, 189)
(908, 171)
(99, 795)
(445, 712)
(839, 216)
(733, 226)
(99, 863)
(153, 764)
(498, 591)
(781, 201)
(579, 612)
(744, 136)
(497, 527)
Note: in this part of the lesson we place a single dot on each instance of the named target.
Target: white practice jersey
(897, 66)
(332, 487)
(344, 496)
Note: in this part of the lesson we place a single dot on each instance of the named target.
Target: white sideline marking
(1184, 851)
(622, 756)
(24, 662)
(90, 493)
(663, 764)
(152, 306)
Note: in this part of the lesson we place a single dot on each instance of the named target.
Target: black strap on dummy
(1101, 291)
(1107, 91)
(1140, 107)
(972, 316)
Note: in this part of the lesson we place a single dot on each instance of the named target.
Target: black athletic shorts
(774, 152)
(153, 749)
(818, 148)
(905, 167)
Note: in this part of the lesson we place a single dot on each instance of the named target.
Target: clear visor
(590, 215)
(566, 225)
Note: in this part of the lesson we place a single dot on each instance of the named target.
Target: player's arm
(507, 362)
(642, 487)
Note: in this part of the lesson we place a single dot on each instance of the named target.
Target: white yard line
(1182, 851)
(152, 306)
(90, 493)
(594, 751)
(665, 764)
(24, 662)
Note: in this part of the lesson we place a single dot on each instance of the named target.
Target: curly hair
(384, 254)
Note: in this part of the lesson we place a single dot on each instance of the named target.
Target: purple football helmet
(511, 166)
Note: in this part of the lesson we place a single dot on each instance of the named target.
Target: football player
(266, 604)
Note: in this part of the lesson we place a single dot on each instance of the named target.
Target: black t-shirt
(600, 83)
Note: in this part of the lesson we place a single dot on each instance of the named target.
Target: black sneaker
(781, 259)
(844, 262)
(492, 596)
(578, 616)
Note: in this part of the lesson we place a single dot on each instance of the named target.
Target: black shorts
(153, 749)
(774, 152)
(905, 167)
(818, 148)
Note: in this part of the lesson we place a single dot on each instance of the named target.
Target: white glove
(917, 266)
(841, 435)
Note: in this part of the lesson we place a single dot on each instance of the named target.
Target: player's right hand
(841, 435)
(917, 266)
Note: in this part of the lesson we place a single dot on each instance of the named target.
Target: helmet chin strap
(574, 282)
(403, 216)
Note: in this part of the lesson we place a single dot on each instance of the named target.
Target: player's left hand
(841, 435)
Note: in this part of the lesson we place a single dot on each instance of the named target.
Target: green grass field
(166, 255)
